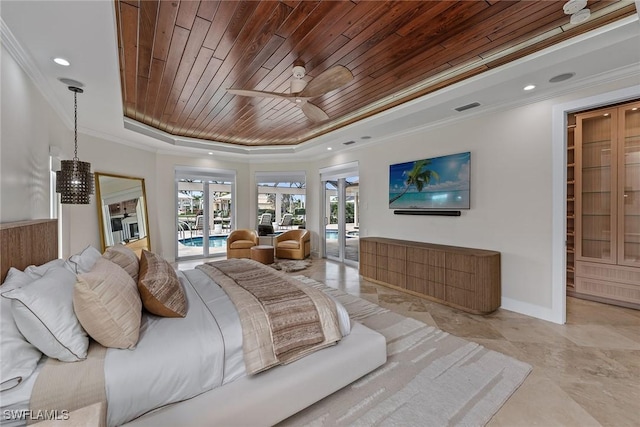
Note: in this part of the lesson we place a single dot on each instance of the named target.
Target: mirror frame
(135, 245)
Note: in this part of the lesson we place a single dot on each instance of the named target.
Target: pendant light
(74, 181)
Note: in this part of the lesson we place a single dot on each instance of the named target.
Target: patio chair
(240, 242)
(286, 221)
(265, 219)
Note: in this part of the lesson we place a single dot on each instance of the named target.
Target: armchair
(240, 242)
(293, 244)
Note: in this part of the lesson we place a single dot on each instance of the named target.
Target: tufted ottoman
(262, 253)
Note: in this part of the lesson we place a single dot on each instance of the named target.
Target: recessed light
(634, 109)
(606, 114)
(529, 87)
(61, 61)
(210, 153)
(365, 137)
(329, 148)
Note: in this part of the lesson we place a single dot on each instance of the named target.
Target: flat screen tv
(435, 183)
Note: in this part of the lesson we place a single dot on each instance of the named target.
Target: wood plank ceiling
(177, 58)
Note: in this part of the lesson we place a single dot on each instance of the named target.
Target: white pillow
(18, 357)
(83, 261)
(44, 314)
(37, 271)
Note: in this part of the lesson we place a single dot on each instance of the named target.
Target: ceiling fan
(302, 91)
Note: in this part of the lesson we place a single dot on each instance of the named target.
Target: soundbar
(421, 212)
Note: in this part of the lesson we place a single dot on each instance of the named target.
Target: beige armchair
(240, 242)
(293, 244)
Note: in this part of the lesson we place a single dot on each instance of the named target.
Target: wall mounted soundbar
(420, 212)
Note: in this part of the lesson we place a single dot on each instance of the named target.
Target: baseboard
(537, 311)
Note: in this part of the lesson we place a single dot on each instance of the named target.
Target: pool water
(214, 241)
(221, 241)
(333, 234)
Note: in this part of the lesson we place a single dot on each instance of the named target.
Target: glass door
(341, 223)
(629, 178)
(596, 202)
(192, 228)
(204, 217)
(331, 233)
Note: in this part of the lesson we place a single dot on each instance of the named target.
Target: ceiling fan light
(572, 6)
(580, 16)
(298, 71)
(297, 85)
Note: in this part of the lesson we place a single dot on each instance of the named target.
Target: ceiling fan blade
(328, 80)
(313, 112)
(255, 93)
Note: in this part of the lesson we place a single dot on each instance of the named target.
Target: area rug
(289, 265)
(431, 378)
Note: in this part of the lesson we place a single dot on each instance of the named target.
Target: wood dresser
(464, 278)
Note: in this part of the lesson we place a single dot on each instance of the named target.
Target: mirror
(122, 211)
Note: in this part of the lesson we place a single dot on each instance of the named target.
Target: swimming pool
(214, 241)
(221, 241)
(333, 234)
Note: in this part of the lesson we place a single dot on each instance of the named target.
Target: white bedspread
(175, 358)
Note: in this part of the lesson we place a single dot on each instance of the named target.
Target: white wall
(510, 199)
(28, 126)
(511, 192)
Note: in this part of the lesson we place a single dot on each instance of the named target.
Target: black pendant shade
(74, 181)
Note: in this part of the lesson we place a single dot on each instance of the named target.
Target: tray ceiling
(177, 58)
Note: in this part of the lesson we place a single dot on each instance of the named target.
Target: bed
(219, 391)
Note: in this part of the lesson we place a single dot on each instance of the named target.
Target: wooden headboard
(29, 242)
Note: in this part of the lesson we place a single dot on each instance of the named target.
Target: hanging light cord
(75, 125)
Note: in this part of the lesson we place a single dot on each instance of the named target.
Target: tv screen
(435, 183)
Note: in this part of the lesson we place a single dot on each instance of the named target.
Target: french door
(205, 212)
(340, 214)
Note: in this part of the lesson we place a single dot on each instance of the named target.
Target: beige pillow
(107, 303)
(125, 258)
(160, 288)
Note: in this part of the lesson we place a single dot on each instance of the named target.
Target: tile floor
(586, 372)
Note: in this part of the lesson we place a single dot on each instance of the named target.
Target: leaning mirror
(122, 211)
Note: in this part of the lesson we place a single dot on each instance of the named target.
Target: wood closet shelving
(571, 202)
(606, 205)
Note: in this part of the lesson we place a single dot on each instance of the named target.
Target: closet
(603, 205)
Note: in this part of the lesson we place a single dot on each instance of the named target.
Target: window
(282, 195)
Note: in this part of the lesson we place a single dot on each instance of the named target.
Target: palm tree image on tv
(435, 183)
(418, 176)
